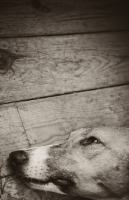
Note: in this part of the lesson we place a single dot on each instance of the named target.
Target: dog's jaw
(51, 187)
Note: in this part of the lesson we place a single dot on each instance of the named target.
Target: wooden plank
(45, 66)
(50, 120)
(10, 129)
(12, 135)
(51, 17)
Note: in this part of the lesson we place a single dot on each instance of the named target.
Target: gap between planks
(58, 95)
(67, 34)
(44, 67)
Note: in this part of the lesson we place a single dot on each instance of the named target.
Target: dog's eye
(91, 140)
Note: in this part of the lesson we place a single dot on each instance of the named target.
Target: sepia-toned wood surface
(46, 66)
(63, 65)
(52, 17)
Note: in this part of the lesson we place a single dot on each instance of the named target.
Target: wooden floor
(63, 65)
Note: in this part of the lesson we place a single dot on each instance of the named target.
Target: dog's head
(93, 163)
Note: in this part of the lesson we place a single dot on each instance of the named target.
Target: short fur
(92, 163)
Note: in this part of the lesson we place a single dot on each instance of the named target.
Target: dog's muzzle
(33, 168)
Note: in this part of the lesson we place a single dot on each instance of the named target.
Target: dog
(93, 163)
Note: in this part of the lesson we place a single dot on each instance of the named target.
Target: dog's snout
(18, 157)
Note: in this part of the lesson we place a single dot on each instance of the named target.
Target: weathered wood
(11, 129)
(48, 120)
(12, 135)
(45, 66)
(38, 17)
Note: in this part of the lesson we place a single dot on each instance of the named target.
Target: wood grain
(46, 66)
(51, 17)
(52, 119)
(12, 135)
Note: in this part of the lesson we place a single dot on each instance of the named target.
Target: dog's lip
(60, 182)
(33, 180)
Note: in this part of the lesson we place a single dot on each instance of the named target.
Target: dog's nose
(18, 157)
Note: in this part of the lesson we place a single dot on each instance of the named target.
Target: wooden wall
(64, 64)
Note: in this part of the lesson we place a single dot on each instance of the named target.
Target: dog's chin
(44, 185)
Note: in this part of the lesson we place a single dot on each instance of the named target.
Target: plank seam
(67, 34)
(22, 124)
(58, 95)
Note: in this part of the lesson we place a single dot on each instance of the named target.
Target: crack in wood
(22, 124)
